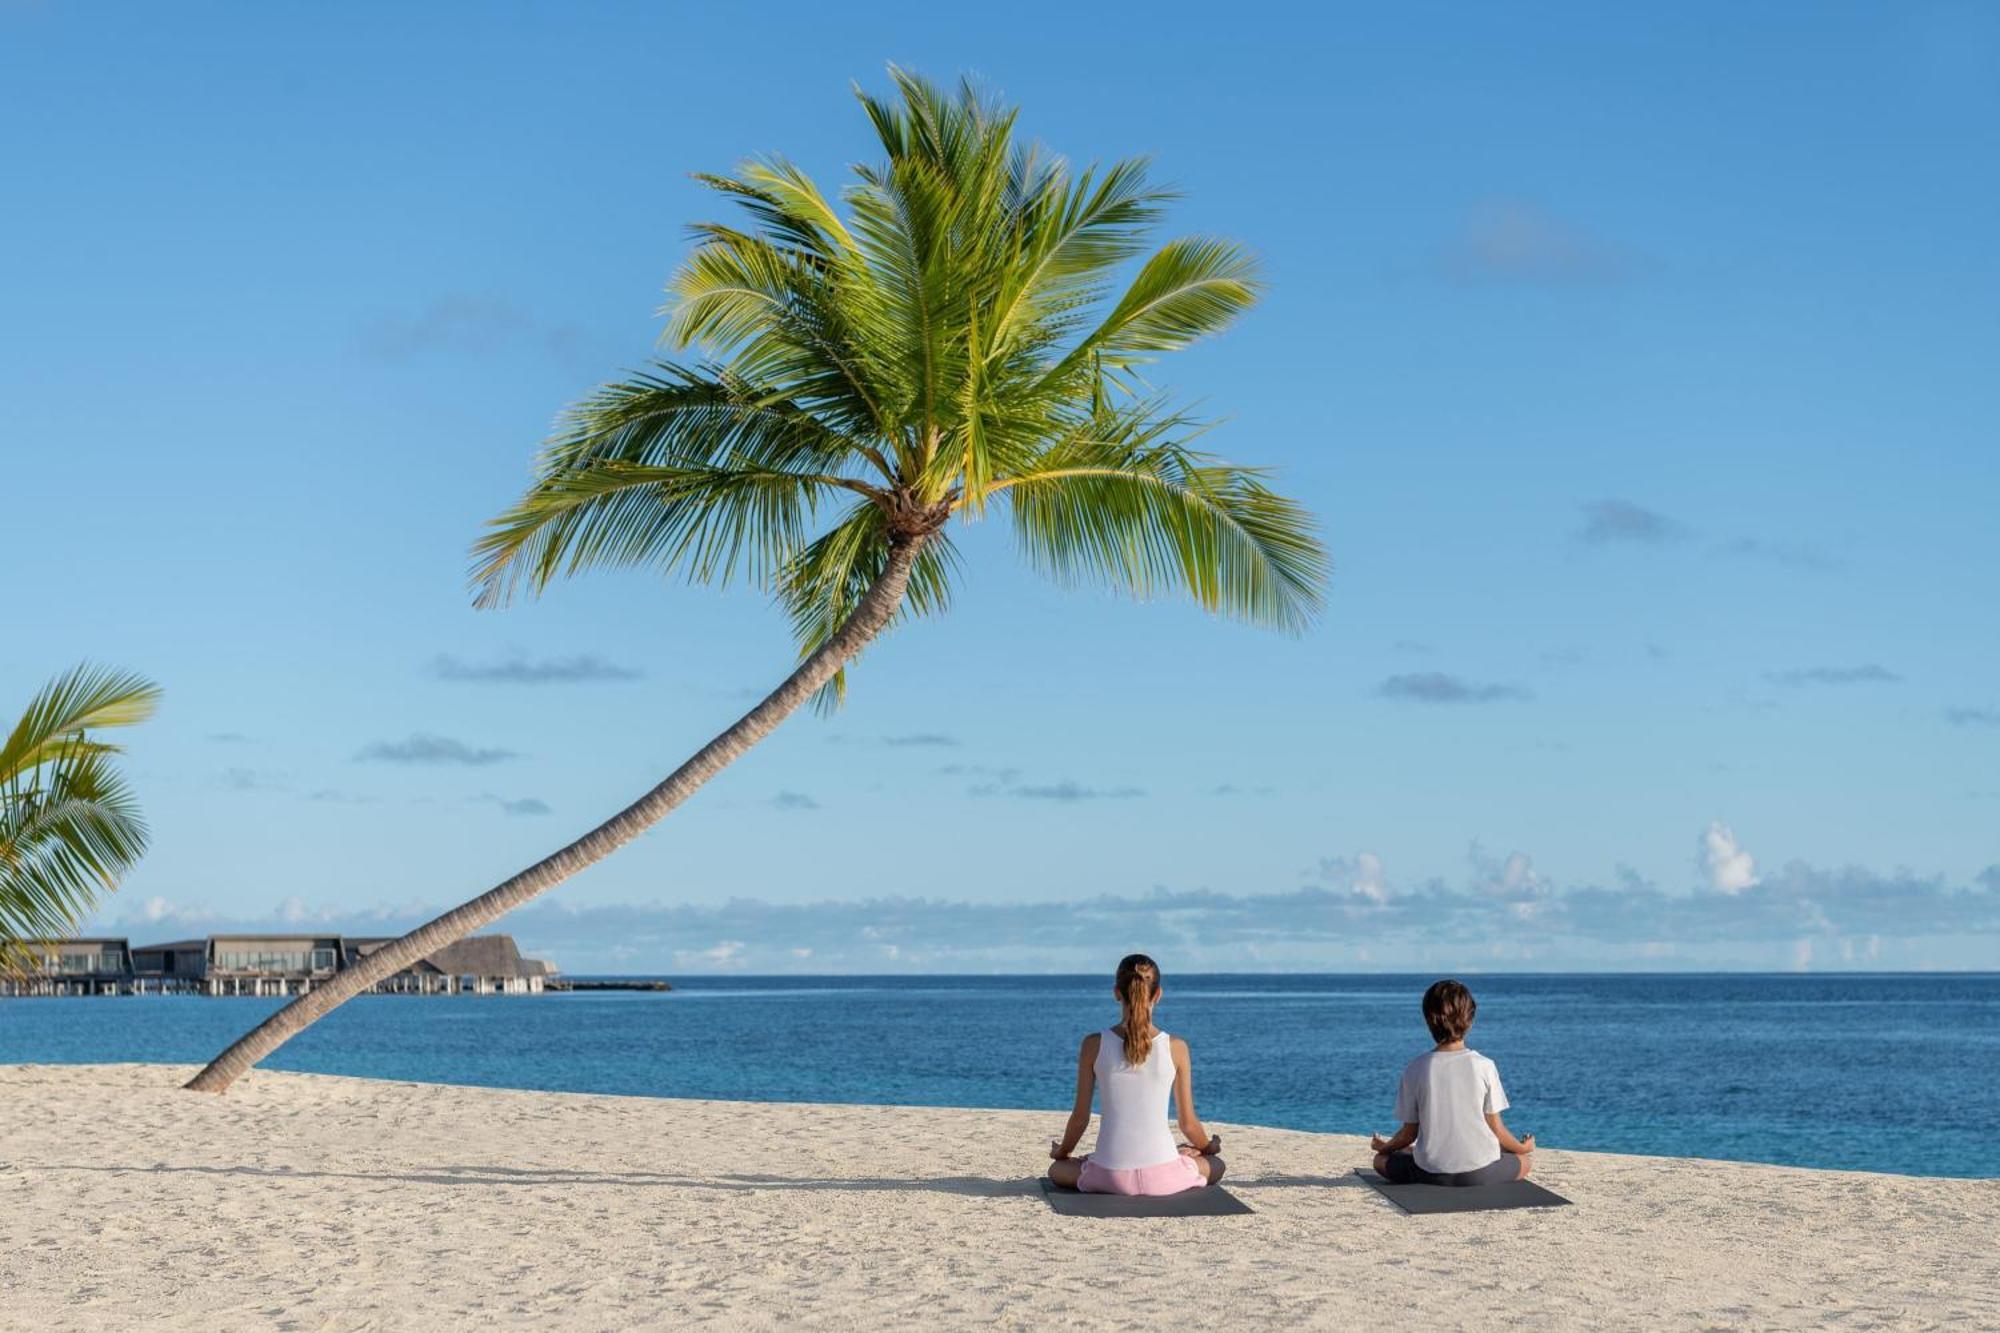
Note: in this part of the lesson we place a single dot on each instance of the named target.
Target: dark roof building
(478, 965)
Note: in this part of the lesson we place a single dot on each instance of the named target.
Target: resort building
(92, 966)
(481, 965)
(266, 965)
(179, 968)
(270, 964)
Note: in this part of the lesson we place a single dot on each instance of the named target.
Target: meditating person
(1134, 1067)
(1450, 1102)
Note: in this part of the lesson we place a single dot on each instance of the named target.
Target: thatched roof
(480, 956)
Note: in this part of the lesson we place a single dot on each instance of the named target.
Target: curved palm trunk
(876, 608)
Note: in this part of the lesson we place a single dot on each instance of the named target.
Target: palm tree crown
(69, 826)
(948, 340)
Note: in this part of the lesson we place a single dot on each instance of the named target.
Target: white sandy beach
(309, 1202)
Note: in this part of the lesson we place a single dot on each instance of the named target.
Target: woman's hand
(1057, 1153)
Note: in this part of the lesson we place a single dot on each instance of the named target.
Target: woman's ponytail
(1138, 987)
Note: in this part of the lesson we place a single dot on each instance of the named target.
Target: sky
(1637, 363)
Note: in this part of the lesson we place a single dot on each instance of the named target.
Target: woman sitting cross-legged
(1134, 1067)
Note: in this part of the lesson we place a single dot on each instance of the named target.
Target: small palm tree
(69, 827)
(947, 345)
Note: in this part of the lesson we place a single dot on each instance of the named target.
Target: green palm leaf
(69, 826)
(1123, 500)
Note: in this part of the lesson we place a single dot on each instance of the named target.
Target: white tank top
(1132, 1130)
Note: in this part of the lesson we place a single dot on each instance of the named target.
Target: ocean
(1881, 1073)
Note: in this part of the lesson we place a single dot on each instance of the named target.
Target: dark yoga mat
(1208, 1201)
(1465, 1198)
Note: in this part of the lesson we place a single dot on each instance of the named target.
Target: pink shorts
(1166, 1178)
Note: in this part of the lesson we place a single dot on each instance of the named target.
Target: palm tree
(945, 345)
(69, 827)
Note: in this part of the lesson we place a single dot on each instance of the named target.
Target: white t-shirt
(1448, 1095)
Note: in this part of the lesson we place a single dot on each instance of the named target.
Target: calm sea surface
(1885, 1073)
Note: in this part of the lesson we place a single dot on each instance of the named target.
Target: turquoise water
(1885, 1073)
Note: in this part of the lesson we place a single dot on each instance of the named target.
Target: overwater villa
(478, 965)
(84, 966)
(268, 965)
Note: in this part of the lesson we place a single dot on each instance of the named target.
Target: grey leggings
(1402, 1169)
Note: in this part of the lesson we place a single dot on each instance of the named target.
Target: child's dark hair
(1448, 1010)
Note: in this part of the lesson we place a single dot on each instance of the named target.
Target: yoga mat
(1465, 1198)
(1208, 1201)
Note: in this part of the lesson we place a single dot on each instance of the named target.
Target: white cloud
(1361, 875)
(1728, 867)
(1368, 876)
(162, 913)
(1513, 880)
(1519, 873)
(724, 954)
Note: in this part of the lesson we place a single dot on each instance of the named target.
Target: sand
(300, 1201)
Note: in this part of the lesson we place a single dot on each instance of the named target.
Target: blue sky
(1639, 366)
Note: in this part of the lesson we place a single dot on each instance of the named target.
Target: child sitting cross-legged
(1450, 1102)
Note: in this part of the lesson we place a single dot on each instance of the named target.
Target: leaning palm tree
(69, 827)
(946, 343)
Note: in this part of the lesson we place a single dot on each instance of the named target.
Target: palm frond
(779, 319)
(69, 826)
(1123, 500)
(81, 700)
(787, 205)
(1072, 236)
(1189, 289)
(710, 523)
(674, 470)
